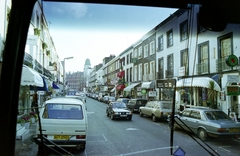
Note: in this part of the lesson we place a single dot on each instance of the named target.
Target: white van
(63, 122)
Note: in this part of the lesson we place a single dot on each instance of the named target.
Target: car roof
(64, 100)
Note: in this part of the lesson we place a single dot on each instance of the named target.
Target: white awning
(197, 82)
(148, 85)
(130, 87)
(30, 77)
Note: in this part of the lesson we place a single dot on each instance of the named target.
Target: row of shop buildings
(204, 64)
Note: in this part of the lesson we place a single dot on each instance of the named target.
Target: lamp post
(64, 72)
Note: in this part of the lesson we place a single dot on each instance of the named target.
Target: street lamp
(64, 72)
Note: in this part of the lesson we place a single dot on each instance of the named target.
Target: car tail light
(80, 136)
(222, 130)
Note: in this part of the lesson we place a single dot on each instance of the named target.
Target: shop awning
(148, 85)
(130, 87)
(197, 82)
(30, 77)
(120, 87)
(54, 86)
(44, 88)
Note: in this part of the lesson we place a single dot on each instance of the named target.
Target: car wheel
(141, 114)
(202, 134)
(130, 118)
(107, 113)
(154, 119)
(112, 117)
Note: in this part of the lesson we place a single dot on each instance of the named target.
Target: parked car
(111, 99)
(105, 99)
(207, 123)
(125, 100)
(63, 122)
(156, 110)
(118, 110)
(134, 104)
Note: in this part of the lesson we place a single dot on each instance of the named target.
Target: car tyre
(202, 134)
(141, 114)
(154, 119)
(107, 113)
(130, 118)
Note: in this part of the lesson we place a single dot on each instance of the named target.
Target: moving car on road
(118, 110)
(207, 123)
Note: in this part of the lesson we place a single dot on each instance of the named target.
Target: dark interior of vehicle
(213, 16)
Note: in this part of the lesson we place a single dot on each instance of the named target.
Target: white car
(63, 122)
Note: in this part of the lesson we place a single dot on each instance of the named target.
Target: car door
(147, 109)
(193, 120)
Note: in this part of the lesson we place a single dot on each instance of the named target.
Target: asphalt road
(140, 137)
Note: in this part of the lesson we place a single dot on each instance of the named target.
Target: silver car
(207, 123)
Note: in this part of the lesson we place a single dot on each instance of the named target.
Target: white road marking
(144, 151)
(131, 129)
(223, 148)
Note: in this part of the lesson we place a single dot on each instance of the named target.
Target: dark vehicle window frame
(13, 55)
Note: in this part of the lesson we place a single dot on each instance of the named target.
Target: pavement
(24, 143)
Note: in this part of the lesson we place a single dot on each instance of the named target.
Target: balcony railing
(221, 65)
(202, 68)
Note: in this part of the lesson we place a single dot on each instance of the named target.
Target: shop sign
(41, 92)
(233, 90)
(152, 93)
(232, 60)
(144, 91)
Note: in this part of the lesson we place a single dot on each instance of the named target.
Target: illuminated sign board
(233, 90)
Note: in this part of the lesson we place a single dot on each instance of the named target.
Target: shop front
(148, 91)
(197, 91)
(131, 90)
(230, 95)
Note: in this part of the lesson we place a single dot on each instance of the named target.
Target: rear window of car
(217, 115)
(166, 105)
(63, 111)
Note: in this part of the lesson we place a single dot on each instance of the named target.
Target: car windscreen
(119, 105)
(63, 111)
(217, 115)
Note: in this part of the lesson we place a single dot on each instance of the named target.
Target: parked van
(63, 122)
(156, 110)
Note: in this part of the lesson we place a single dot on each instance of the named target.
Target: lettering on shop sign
(233, 90)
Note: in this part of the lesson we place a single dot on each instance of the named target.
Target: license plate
(61, 137)
(234, 130)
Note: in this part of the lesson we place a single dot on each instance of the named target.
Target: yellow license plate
(61, 137)
(234, 130)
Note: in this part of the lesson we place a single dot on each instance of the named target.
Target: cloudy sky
(96, 31)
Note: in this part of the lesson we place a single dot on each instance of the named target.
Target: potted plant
(26, 119)
(34, 116)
